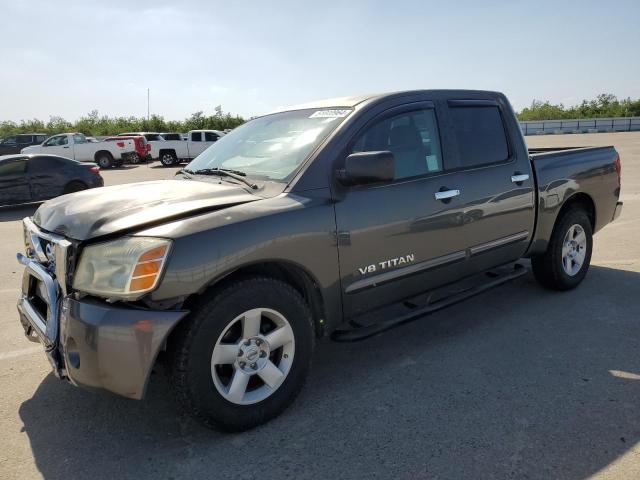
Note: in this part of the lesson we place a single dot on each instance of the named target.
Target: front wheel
(566, 262)
(244, 355)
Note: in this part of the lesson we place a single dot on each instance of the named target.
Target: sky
(66, 58)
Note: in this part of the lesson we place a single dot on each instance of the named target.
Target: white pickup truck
(77, 147)
(172, 152)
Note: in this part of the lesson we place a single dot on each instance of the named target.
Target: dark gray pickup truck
(343, 217)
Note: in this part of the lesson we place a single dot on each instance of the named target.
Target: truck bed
(562, 172)
(542, 151)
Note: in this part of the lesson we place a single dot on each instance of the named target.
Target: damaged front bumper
(89, 342)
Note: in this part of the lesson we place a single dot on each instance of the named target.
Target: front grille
(49, 250)
(44, 281)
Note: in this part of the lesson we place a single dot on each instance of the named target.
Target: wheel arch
(99, 153)
(74, 181)
(580, 200)
(167, 150)
(547, 222)
(289, 272)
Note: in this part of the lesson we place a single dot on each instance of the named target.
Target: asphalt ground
(517, 383)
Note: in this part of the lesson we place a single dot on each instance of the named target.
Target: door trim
(384, 277)
(498, 242)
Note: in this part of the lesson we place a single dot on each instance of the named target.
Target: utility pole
(148, 104)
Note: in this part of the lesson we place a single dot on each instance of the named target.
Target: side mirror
(367, 167)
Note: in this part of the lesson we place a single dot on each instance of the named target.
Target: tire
(74, 186)
(203, 384)
(134, 159)
(167, 159)
(563, 267)
(104, 160)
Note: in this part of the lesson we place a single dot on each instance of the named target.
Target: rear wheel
(168, 159)
(244, 355)
(74, 186)
(104, 160)
(566, 262)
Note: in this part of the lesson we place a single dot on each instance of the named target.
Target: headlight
(125, 268)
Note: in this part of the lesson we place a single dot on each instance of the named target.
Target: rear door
(197, 144)
(24, 141)
(14, 185)
(396, 239)
(83, 150)
(47, 176)
(496, 184)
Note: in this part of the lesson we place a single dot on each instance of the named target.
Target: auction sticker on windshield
(330, 114)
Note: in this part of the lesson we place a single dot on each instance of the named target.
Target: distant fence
(588, 125)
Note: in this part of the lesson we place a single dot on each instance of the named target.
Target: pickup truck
(343, 217)
(172, 152)
(76, 147)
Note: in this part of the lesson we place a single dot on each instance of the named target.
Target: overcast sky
(70, 57)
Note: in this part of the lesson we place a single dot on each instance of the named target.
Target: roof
(352, 101)
(349, 102)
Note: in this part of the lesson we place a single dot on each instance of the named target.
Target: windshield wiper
(224, 172)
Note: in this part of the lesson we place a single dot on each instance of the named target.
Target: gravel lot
(517, 383)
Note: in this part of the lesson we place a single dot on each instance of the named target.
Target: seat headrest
(403, 136)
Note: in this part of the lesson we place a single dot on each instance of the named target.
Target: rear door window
(480, 135)
(13, 167)
(210, 137)
(196, 136)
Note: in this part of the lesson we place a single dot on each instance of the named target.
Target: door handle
(519, 178)
(447, 194)
(65, 147)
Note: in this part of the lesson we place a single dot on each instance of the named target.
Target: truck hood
(103, 211)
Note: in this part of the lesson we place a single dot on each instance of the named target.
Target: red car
(143, 149)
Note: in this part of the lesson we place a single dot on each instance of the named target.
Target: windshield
(271, 147)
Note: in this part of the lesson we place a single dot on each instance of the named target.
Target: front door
(14, 185)
(397, 239)
(58, 145)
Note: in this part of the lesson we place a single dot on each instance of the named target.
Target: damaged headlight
(125, 268)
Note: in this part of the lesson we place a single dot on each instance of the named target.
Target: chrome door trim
(498, 242)
(387, 276)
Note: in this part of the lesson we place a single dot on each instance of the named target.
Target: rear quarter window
(480, 135)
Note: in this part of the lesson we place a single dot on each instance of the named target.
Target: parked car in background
(175, 151)
(172, 136)
(34, 178)
(143, 148)
(346, 217)
(76, 147)
(149, 136)
(14, 143)
(92, 140)
(154, 139)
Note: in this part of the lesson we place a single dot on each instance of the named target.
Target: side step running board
(361, 333)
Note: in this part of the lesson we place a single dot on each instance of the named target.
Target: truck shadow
(517, 383)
